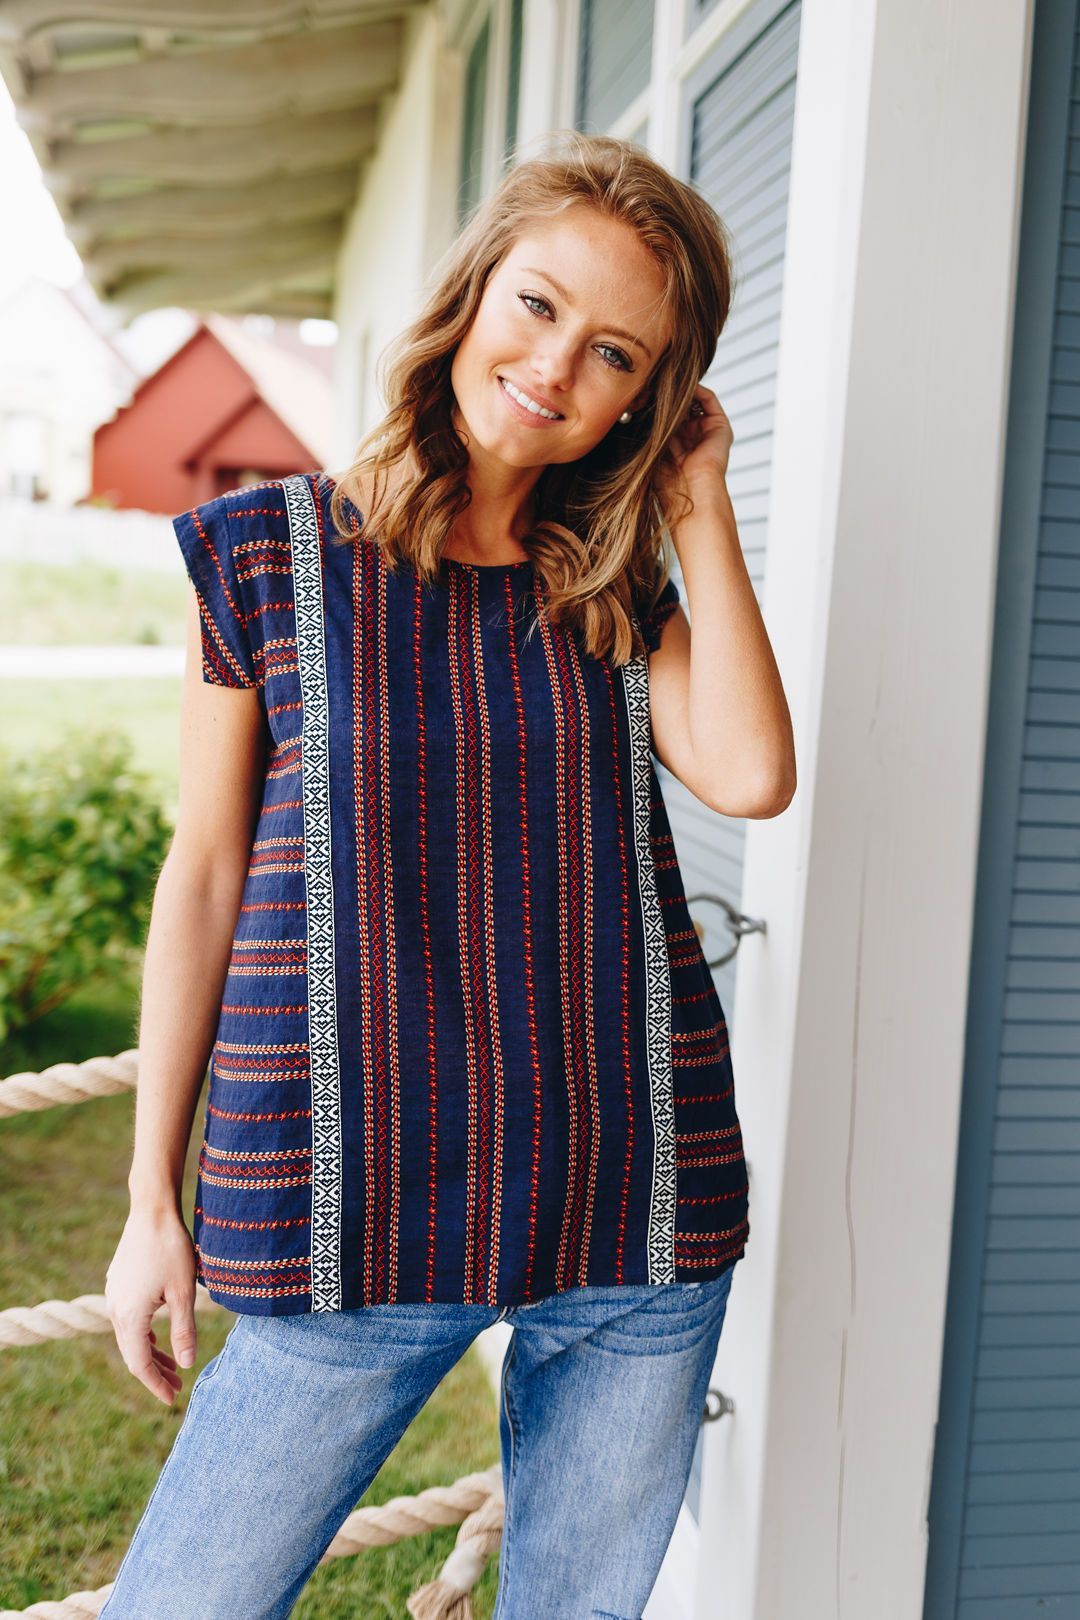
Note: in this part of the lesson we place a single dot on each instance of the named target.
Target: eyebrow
(532, 270)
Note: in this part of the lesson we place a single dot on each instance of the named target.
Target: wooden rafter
(205, 155)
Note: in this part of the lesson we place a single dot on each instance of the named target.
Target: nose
(553, 364)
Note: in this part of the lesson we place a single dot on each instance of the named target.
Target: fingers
(182, 1326)
(166, 1363)
(144, 1360)
(705, 402)
(153, 1266)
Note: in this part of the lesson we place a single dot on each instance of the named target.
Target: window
(513, 80)
(614, 59)
(472, 131)
(696, 10)
(492, 99)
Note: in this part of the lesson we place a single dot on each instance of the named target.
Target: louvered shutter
(1005, 1497)
(738, 141)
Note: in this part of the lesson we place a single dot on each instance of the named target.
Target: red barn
(230, 407)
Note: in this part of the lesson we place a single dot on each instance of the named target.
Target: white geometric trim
(661, 1234)
(326, 1147)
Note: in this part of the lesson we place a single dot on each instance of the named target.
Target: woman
(423, 906)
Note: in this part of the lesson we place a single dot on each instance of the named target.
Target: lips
(519, 405)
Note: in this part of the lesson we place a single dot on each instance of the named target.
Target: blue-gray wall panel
(1005, 1496)
(737, 150)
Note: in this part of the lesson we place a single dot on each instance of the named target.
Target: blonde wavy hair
(598, 542)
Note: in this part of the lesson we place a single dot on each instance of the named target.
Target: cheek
(594, 417)
(474, 358)
(464, 370)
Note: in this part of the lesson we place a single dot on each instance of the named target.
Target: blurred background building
(60, 377)
(229, 407)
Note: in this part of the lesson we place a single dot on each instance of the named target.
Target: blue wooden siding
(1004, 1511)
(736, 141)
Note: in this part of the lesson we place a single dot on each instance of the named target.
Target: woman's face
(570, 326)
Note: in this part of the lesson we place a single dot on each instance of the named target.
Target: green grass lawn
(83, 1441)
(91, 605)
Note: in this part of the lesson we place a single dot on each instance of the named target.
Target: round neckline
(455, 562)
(487, 568)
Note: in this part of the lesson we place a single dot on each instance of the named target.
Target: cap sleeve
(654, 619)
(205, 541)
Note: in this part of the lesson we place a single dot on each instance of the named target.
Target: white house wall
(404, 218)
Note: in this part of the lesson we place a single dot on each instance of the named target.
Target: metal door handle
(737, 921)
(721, 1403)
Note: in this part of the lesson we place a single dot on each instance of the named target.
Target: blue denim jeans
(603, 1392)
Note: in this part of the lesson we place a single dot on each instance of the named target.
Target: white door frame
(849, 1025)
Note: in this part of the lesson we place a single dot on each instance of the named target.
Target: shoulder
(236, 549)
(236, 512)
(258, 508)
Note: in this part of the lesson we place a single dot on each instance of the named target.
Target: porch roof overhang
(204, 155)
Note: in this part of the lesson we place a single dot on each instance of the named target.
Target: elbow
(774, 795)
(775, 787)
(767, 798)
(772, 803)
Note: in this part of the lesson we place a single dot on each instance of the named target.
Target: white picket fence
(41, 532)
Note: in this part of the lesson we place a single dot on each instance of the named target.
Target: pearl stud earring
(625, 417)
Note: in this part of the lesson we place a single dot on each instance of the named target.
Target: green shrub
(82, 839)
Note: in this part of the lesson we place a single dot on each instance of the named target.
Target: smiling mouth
(533, 406)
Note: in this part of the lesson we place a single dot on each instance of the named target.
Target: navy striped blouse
(469, 1048)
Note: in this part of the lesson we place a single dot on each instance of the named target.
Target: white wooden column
(849, 1026)
(546, 94)
(405, 217)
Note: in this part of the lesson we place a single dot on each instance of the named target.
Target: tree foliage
(82, 839)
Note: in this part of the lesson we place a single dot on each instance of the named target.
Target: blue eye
(622, 363)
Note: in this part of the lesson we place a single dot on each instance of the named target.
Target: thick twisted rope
(68, 1318)
(69, 1083)
(472, 1497)
(405, 1516)
(447, 1596)
(475, 1501)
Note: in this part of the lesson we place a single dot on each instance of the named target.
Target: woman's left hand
(698, 450)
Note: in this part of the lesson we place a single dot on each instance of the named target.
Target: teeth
(529, 404)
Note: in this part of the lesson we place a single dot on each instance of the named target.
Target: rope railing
(474, 1501)
(69, 1083)
(21, 1325)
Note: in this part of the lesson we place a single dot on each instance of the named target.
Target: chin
(505, 447)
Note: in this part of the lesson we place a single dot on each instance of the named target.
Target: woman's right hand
(154, 1265)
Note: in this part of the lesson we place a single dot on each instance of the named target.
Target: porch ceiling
(204, 155)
